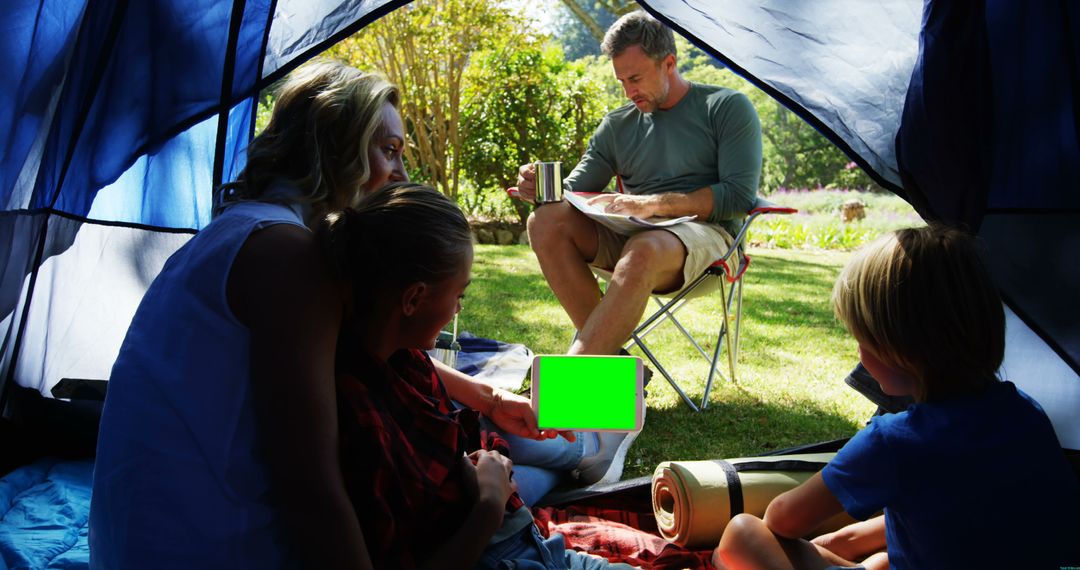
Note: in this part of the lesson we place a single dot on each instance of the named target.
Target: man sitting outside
(679, 148)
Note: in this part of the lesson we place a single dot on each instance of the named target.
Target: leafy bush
(523, 103)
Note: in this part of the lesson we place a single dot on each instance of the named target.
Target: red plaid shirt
(401, 453)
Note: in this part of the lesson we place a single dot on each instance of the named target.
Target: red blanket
(619, 536)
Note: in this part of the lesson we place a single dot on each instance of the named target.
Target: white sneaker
(606, 465)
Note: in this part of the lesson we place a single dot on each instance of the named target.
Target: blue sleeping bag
(44, 513)
(45, 506)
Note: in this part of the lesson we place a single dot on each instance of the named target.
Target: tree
(574, 36)
(425, 48)
(592, 14)
(535, 106)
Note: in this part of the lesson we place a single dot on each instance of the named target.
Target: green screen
(587, 392)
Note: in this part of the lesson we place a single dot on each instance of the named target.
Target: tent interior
(119, 118)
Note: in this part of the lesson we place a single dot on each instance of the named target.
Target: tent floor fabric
(45, 509)
(44, 513)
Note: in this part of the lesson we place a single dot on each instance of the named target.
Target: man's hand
(526, 184)
(514, 414)
(628, 204)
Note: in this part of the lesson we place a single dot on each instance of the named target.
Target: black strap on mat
(734, 484)
(797, 465)
(734, 487)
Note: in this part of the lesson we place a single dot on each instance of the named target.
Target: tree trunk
(585, 18)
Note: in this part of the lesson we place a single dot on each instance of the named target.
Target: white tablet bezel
(639, 396)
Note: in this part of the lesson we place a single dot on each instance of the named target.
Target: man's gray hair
(639, 29)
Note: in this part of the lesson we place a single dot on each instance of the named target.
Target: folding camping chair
(727, 273)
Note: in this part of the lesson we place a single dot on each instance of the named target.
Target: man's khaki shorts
(704, 243)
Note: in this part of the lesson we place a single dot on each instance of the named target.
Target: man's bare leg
(565, 241)
(650, 261)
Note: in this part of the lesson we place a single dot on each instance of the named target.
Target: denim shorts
(528, 550)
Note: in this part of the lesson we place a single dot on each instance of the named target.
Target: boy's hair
(324, 117)
(639, 29)
(922, 301)
(398, 235)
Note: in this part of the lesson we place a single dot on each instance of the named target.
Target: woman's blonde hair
(922, 301)
(324, 118)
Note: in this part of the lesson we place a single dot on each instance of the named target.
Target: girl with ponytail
(430, 486)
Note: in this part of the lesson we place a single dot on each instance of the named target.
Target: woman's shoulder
(282, 239)
(281, 270)
(282, 258)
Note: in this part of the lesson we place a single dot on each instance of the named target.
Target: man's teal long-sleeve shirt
(711, 137)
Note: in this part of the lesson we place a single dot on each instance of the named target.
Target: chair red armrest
(774, 210)
(763, 206)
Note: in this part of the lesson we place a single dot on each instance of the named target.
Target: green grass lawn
(794, 355)
(818, 225)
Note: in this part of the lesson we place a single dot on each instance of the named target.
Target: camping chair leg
(722, 338)
(734, 355)
(689, 337)
(712, 368)
(660, 367)
(662, 314)
(726, 305)
(666, 311)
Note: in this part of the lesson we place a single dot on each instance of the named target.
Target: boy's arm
(855, 541)
(797, 512)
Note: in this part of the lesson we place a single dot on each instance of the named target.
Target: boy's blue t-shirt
(975, 483)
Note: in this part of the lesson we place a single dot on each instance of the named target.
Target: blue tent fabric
(983, 135)
(123, 116)
(118, 118)
(1003, 77)
(946, 171)
(843, 69)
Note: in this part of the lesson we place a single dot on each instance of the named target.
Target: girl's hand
(491, 476)
(514, 414)
(488, 481)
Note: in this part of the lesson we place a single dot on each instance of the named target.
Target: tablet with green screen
(588, 393)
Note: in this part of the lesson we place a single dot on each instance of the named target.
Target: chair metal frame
(728, 270)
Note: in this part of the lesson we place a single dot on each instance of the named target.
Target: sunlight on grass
(792, 362)
(818, 225)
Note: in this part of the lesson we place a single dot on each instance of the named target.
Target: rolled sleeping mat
(694, 500)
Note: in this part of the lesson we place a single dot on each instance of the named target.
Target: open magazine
(619, 223)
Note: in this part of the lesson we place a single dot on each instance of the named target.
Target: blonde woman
(218, 445)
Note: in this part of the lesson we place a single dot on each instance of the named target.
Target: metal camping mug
(549, 185)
